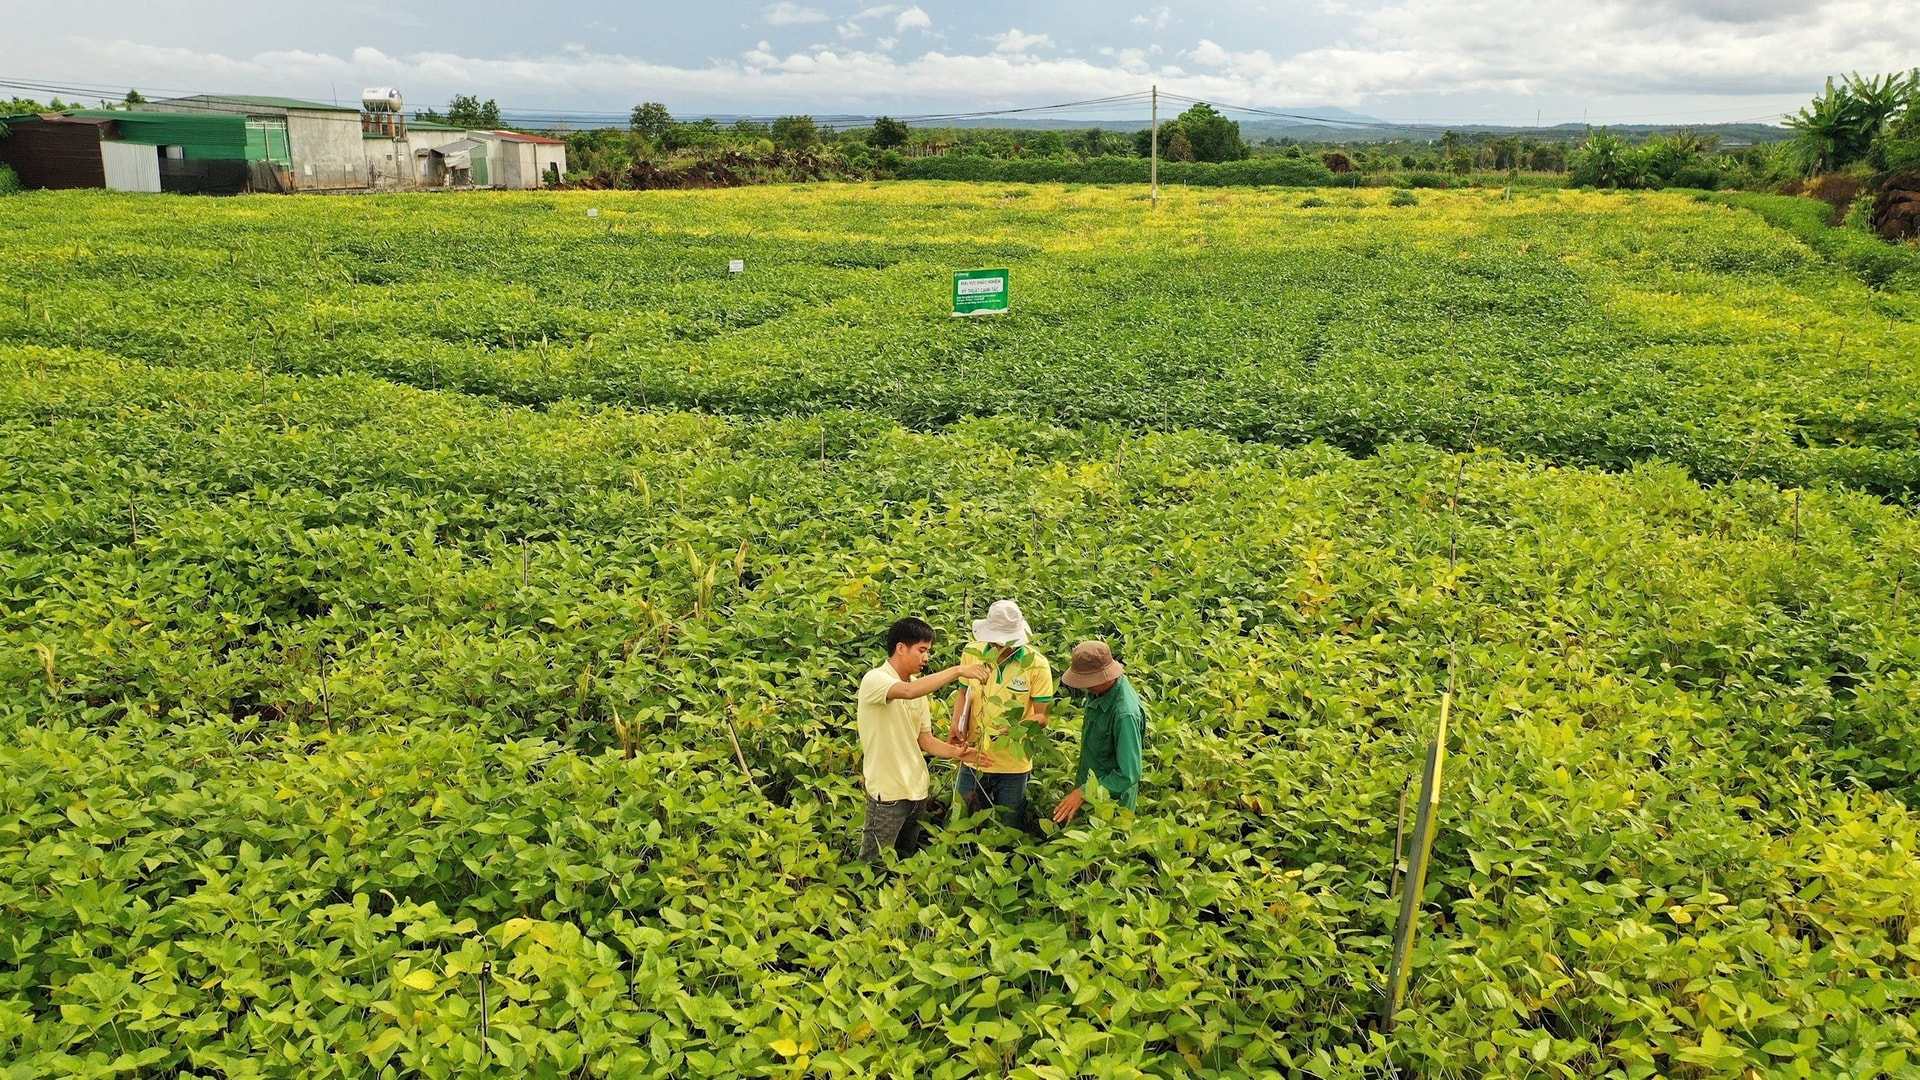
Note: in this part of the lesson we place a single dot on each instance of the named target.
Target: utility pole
(1154, 169)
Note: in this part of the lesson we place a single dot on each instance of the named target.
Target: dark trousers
(1005, 792)
(893, 822)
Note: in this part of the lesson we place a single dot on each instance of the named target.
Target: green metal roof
(269, 102)
(201, 136)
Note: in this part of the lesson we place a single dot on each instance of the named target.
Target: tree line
(1865, 126)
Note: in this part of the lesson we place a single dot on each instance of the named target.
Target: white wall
(546, 156)
(130, 166)
(389, 162)
(512, 165)
(326, 150)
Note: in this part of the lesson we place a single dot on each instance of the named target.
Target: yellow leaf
(785, 1047)
(419, 979)
(382, 1047)
(1680, 915)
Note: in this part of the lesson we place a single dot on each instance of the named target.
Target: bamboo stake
(326, 698)
(486, 973)
(734, 737)
(1424, 825)
(1399, 837)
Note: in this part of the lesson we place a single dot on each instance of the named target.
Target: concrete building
(323, 150)
(401, 154)
(522, 162)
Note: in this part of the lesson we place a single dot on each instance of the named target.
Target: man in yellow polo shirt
(1004, 713)
(896, 734)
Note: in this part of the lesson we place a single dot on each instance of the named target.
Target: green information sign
(979, 292)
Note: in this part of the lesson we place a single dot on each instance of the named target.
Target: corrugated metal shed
(54, 151)
(201, 138)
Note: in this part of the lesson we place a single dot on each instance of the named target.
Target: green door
(267, 141)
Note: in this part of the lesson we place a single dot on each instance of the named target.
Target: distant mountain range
(1347, 127)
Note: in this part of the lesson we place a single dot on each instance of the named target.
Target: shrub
(1700, 175)
(1312, 201)
(9, 181)
(1403, 197)
(1426, 180)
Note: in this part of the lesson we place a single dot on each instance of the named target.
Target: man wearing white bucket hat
(1005, 714)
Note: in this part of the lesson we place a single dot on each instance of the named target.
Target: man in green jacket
(1110, 738)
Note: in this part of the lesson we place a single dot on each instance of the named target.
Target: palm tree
(1838, 128)
(1602, 160)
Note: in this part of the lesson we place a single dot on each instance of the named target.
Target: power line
(1436, 125)
(1139, 98)
(532, 116)
(212, 103)
(1351, 123)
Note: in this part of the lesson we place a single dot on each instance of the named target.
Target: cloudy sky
(1659, 61)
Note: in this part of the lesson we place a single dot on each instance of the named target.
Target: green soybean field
(429, 628)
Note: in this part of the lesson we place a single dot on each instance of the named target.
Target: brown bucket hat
(1093, 664)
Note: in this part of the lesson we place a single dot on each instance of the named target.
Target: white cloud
(1209, 54)
(813, 80)
(1016, 43)
(1606, 47)
(1159, 19)
(788, 13)
(1665, 60)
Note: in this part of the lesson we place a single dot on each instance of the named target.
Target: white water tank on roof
(380, 99)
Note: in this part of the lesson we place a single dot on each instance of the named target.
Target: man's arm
(960, 730)
(934, 683)
(1040, 677)
(967, 755)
